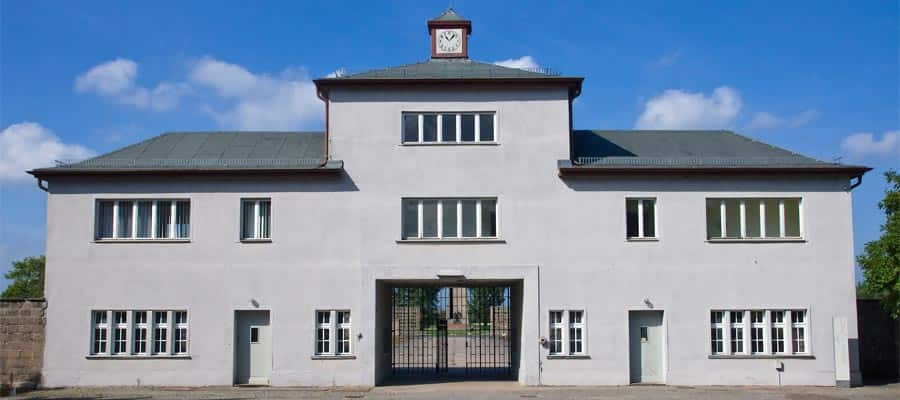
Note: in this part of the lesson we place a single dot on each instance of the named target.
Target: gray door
(646, 346)
(253, 347)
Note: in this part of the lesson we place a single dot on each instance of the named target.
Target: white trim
(439, 117)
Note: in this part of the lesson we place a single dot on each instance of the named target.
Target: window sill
(641, 239)
(337, 357)
(414, 144)
(137, 357)
(568, 357)
(185, 240)
(453, 241)
(757, 240)
(761, 356)
(256, 240)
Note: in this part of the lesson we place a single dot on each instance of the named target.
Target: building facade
(450, 222)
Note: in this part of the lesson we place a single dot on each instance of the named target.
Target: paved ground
(479, 391)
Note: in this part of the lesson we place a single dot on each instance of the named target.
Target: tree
(27, 276)
(880, 261)
(482, 301)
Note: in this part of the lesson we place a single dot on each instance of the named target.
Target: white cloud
(766, 120)
(864, 144)
(29, 145)
(676, 109)
(259, 101)
(337, 73)
(524, 62)
(116, 80)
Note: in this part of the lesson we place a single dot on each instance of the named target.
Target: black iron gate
(451, 331)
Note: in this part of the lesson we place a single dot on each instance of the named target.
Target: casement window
(139, 219)
(799, 327)
(449, 219)
(640, 216)
(100, 332)
(567, 332)
(754, 218)
(736, 324)
(256, 219)
(777, 335)
(120, 332)
(759, 332)
(717, 332)
(150, 333)
(333, 333)
(140, 332)
(180, 341)
(160, 332)
(449, 127)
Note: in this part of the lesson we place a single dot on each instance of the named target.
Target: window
(444, 127)
(256, 215)
(769, 332)
(765, 218)
(567, 335)
(449, 218)
(120, 333)
(143, 219)
(180, 341)
(640, 216)
(329, 322)
(798, 331)
(737, 331)
(100, 332)
(140, 332)
(150, 333)
(160, 332)
(716, 332)
(254, 334)
(777, 331)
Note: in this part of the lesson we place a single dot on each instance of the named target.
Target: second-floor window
(449, 218)
(143, 219)
(640, 216)
(256, 218)
(449, 128)
(753, 218)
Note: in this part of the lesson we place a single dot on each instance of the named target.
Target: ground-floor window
(766, 333)
(567, 332)
(333, 331)
(149, 332)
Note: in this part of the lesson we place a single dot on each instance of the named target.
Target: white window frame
(100, 327)
(440, 127)
(565, 325)
(721, 327)
(444, 202)
(111, 327)
(793, 333)
(133, 210)
(332, 327)
(257, 234)
(774, 325)
(723, 217)
(559, 325)
(740, 327)
(180, 326)
(641, 203)
(766, 326)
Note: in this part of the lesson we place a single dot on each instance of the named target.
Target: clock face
(449, 41)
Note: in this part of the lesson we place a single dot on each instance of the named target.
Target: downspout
(571, 132)
(324, 97)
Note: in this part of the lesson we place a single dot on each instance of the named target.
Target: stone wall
(22, 342)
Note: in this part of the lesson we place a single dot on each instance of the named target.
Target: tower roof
(449, 15)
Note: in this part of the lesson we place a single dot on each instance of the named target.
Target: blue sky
(87, 77)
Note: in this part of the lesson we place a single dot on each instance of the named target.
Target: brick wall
(22, 341)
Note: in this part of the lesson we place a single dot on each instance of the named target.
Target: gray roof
(684, 150)
(449, 15)
(453, 68)
(210, 151)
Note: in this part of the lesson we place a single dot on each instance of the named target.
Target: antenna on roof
(837, 160)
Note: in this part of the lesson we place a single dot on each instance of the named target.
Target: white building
(325, 258)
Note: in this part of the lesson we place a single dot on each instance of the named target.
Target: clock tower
(449, 35)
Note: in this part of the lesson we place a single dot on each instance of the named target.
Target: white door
(253, 345)
(646, 346)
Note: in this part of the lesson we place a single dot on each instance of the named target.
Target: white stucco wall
(332, 237)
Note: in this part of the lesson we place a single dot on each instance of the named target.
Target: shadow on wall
(301, 182)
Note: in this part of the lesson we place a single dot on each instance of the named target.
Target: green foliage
(27, 277)
(865, 292)
(880, 260)
(482, 300)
